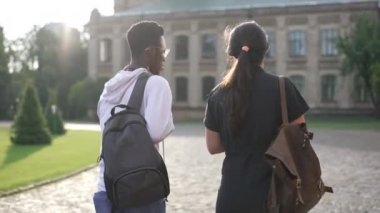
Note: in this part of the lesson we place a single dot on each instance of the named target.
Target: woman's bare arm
(214, 144)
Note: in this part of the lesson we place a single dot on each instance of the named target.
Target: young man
(148, 51)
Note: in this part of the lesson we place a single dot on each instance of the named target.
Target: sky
(17, 17)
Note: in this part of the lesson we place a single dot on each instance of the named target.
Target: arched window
(299, 82)
(105, 50)
(328, 85)
(181, 47)
(127, 52)
(181, 89)
(328, 47)
(272, 44)
(297, 43)
(209, 41)
(208, 83)
(361, 94)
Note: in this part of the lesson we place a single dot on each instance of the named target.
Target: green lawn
(343, 122)
(23, 165)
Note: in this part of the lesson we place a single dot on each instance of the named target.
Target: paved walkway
(353, 171)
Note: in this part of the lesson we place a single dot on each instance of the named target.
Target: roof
(172, 6)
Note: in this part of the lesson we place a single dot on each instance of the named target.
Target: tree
(55, 56)
(5, 77)
(23, 65)
(22, 52)
(30, 126)
(54, 116)
(361, 48)
(62, 60)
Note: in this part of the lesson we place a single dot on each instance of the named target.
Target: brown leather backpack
(296, 185)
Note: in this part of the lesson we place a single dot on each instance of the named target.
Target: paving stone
(352, 170)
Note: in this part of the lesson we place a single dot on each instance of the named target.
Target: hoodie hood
(115, 88)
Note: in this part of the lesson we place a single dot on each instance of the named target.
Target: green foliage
(24, 165)
(55, 56)
(83, 98)
(361, 49)
(62, 61)
(375, 68)
(22, 51)
(30, 127)
(5, 78)
(54, 116)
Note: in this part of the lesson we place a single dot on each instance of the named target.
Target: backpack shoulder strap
(138, 91)
(284, 109)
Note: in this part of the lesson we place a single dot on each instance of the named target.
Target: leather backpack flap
(280, 150)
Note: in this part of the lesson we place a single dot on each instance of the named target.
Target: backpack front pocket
(139, 187)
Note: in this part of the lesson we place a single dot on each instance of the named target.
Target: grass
(344, 122)
(24, 165)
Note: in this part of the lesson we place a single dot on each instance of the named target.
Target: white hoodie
(155, 107)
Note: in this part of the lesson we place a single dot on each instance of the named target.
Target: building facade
(301, 36)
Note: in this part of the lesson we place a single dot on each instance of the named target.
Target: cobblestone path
(350, 163)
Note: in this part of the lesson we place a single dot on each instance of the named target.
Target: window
(105, 50)
(328, 84)
(328, 47)
(272, 45)
(181, 89)
(361, 94)
(127, 51)
(181, 47)
(299, 82)
(209, 42)
(208, 83)
(297, 43)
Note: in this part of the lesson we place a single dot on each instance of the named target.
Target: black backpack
(135, 173)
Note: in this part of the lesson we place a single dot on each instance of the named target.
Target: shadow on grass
(18, 152)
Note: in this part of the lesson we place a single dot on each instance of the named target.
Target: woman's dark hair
(142, 35)
(248, 44)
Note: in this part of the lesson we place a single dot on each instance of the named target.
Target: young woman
(243, 116)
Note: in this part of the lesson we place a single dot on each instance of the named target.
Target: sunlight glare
(18, 16)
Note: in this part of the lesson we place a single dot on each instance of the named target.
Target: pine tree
(30, 124)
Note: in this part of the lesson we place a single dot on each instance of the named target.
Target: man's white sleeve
(158, 111)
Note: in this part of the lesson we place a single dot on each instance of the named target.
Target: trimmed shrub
(54, 116)
(30, 125)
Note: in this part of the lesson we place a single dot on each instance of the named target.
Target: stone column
(312, 78)
(168, 69)
(281, 46)
(345, 86)
(93, 56)
(194, 77)
(117, 49)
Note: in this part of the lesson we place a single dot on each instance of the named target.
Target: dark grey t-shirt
(246, 174)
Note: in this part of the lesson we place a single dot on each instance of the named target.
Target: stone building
(301, 35)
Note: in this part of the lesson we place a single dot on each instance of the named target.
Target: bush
(30, 124)
(54, 116)
(83, 98)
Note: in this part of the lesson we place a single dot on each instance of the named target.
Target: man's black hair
(142, 35)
